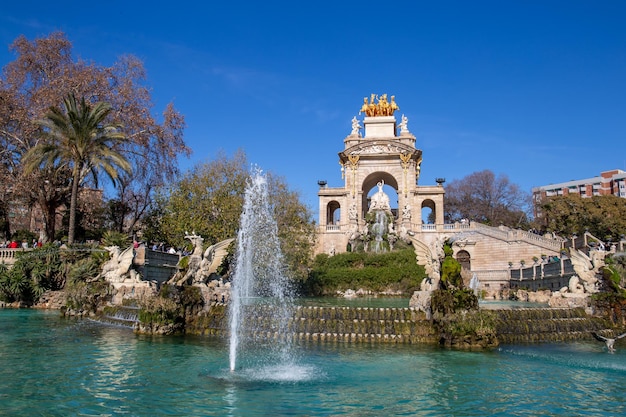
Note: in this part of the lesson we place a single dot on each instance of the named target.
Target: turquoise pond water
(51, 366)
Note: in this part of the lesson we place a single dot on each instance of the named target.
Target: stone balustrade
(333, 227)
(9, 256)
(545, 275)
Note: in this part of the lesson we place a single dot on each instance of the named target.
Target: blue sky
(535, 90)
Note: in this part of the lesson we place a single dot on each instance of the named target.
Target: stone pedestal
(380, 127)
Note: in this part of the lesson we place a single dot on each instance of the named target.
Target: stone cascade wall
(393, 325)
(547, 325)
(386, 325)
(400, 325)
(125, 316)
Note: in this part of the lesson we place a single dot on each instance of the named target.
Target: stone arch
(371, 181)
(333, 212)
(464, 259)
(428, 207)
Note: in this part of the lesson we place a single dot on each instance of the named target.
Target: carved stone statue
(353, 235)
(355, 127)
(585, 269)
(202, 265)
(403, 125)
(352, 214)
(119, 266)
(197, 241)
(406, 212)
(430, 257)
(380, 200)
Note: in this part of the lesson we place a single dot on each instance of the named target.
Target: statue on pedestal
(403, 125)
(355, 127)
(380, 200)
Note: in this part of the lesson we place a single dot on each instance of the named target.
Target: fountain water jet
(259, 277)
(379, 228)
(474, 284)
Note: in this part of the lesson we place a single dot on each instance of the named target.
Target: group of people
(160, 247)
(14, 244)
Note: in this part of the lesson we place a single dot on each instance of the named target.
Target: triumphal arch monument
(383, 200)
(379, 152)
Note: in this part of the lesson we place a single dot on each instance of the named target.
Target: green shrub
(86, 296)
(113, 238)
(50, 268)
(476, 323)
(160, 311)
(191, 296)
(396, 270)
(449, 301)
(33, 273)
(24, 236)
(183, 263)
(450, 269)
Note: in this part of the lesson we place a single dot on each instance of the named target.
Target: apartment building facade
(611, 182)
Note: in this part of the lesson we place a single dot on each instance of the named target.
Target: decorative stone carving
(374, 148)
(197, 242)
(406, 212)
(200, 267)
(430, 257)
(587, 268)
(119, 266)
(352, 214)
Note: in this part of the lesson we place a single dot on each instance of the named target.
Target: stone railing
(494, 232)
(9, 256)
(547, 243)
(562, 268)
(491, 231)
(492, 275)
(492, 279)
(440, 228)
(517, 235)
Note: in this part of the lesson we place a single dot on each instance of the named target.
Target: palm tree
(79, 138)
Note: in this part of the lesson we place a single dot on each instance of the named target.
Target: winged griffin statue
(586, 268)
(429, 256)
(202, 265)
(119, 266)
